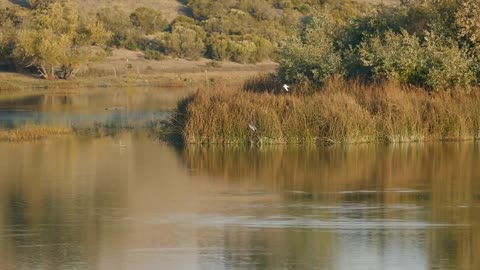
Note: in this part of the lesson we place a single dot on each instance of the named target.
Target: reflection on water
(89, 204)
(126, 107)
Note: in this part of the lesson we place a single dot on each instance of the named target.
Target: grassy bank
(12, 84)
(341, 112)
(32, 133)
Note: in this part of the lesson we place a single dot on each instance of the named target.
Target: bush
(468, 21)
(301, 62)
(243, 51)
(185, 42)
(38, 4)
(125, 35)
(434, 64)
(312, 57)
(218, 47)
(397, 57)
(10, 20)
(57, 41)
(148, 20)
(203, 9)
(153, 55)
(264, 48)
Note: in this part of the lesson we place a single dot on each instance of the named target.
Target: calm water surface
(124, 107)
(79, 203)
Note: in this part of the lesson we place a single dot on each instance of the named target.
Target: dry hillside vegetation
(170, 8)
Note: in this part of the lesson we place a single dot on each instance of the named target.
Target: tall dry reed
(339, 112)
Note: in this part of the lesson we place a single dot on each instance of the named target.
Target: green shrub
(312, 57)
(10, 21)
(154, 55)
(57, 41)
(203, 9)
(301, 62)
(125, 34)
(264, 48)
(218, 47)
(261, 10)
(243, 51)
(185, 42)
(148, 20)
(434, 64)
(214, 64)
(397, 57)
(36, 4)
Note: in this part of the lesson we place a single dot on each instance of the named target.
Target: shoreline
(169, 73)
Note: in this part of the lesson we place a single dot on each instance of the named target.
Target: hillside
(170, 8)
(240, 31)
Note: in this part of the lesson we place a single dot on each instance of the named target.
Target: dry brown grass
(32, 133)
(341, 112)
(7, 88)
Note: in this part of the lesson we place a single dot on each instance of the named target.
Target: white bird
(121, 145)
(252, 127)
(286, 87)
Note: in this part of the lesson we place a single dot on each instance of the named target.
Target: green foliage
(185, 42)
(396, 57)
(468, 20)
(243, 51)
(300, 62)
(148, 20)
(10, 20)
(218, 47)
(261, 10)
(431, 43)
(124, 33)
(203, 9)
(154, 55)
(434, 63)
(39, 4)
(57, 41)
(312, 57)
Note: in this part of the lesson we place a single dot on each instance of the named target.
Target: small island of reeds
(402, 73)
(339, 112)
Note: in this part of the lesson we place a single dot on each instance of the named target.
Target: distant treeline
(52, 38)
(428, 43)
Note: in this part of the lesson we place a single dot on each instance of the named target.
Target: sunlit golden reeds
(339, 112)
(32, 132)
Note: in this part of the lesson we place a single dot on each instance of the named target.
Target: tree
(10, 21)
(57, 41)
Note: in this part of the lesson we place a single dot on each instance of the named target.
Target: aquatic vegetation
(101, 130)
(32, 133)
(8, 88)
(339, 112)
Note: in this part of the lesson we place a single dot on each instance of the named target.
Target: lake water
(126, 107)
(87, 203)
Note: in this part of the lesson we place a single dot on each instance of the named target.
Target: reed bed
(339, 112)
(32, 133)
